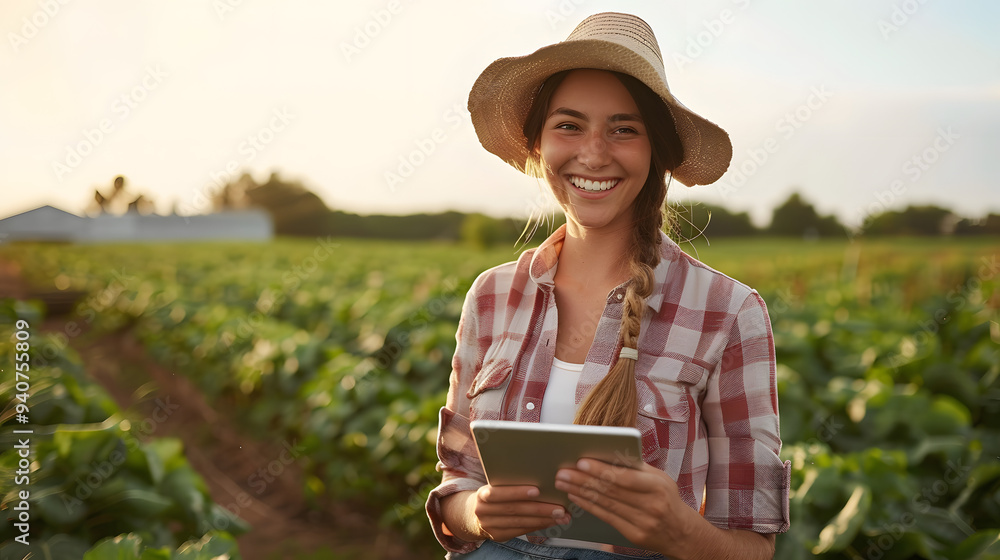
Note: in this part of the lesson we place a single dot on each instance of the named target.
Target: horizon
(690, 205)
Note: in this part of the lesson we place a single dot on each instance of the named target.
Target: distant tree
(100, 204)
(294, 209)
(797, 217)
(141, 205)
(233, 196)
(989, 225)
(914, 220)
(119, 200)
(691, 221)
(484, 231)
(443, 226)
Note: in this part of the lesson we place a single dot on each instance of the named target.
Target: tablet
(530, 453)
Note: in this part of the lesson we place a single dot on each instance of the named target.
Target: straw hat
(501, 97)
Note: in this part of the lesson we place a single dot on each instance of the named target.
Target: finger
(496, 494)
(611, 515)
(611, 485)
(640, 479)
(536, 512)
(534, 522)
(501, 528)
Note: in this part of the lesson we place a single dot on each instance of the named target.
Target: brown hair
(613, 401)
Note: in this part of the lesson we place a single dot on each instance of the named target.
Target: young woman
(608, 322)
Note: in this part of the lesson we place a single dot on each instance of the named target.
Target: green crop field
(888, 368)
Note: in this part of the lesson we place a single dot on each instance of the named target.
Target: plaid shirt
(707, 393)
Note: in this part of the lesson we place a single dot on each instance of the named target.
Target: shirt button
(619, 296)
(530, 406)
(649, 408)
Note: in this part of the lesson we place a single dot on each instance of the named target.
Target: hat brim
(502, 95)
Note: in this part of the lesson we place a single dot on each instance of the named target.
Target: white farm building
(48, 223)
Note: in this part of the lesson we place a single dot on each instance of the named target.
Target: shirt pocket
(666, 403)
(664, 393)
(488, 388)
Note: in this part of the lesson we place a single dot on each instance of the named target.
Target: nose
(594, 151)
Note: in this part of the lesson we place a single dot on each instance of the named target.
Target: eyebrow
(617, 117)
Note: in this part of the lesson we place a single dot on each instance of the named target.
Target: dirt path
(261, 481)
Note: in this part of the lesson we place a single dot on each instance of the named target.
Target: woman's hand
(643, 504)
(645, 507)
(499, 513)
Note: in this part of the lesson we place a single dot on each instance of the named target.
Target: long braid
(614, 402)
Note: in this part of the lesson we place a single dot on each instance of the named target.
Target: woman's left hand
(643, 504)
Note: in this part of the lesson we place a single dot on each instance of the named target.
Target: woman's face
(595, 150)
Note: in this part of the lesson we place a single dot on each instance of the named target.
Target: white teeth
(588, 185)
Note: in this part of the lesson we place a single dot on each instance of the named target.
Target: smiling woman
(608, 322)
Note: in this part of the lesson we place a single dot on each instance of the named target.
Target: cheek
(550, 151)
(642, 164)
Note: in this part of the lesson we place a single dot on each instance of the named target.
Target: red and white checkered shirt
(707, 393)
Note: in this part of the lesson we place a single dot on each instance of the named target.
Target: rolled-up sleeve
(748, 484)
(458, 459)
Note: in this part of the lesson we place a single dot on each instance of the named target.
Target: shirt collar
(669, 252)
(545, 260)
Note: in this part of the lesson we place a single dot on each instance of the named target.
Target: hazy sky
(858, 104)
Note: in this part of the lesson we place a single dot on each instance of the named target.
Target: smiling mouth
(593, 186)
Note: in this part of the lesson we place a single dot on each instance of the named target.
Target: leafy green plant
(90, 478)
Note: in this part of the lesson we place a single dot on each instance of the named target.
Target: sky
(861, 106)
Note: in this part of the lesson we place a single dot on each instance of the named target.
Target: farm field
(888, 363)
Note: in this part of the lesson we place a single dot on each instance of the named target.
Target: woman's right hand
(499, 513)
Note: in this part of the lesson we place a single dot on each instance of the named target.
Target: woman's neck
(593, 258)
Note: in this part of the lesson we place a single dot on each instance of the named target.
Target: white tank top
(559, 401)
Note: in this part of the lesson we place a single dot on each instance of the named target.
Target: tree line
(296, 211)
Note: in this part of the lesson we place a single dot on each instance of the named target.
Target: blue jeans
(517, 549)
